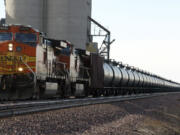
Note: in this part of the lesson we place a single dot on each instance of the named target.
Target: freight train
(33, 66)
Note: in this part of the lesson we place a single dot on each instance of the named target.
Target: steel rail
(14, 109)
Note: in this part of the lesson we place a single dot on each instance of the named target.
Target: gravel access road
(151, 116)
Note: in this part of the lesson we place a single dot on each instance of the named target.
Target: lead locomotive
(32, 66)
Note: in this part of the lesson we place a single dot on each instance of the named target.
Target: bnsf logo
(12, 58)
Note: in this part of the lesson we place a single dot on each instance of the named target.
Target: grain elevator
(58, 19)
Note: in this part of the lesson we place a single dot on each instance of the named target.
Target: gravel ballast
(151, 116)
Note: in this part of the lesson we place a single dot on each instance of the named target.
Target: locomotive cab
(17, 59)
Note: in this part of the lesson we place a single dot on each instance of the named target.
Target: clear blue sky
(147, 33)
(140, 19)
(2, 8)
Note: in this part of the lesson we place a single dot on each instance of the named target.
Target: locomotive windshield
(27, 38)
(5, 36)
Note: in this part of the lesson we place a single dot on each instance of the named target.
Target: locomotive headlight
(10, 47)
(20, 69)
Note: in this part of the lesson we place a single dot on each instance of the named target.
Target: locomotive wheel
(66, 88)
(41, 92)
(6, 83)
(6, 88)
(61, 89)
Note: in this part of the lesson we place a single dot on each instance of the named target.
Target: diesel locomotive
(33, 66)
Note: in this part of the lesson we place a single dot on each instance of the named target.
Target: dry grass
(152, 126)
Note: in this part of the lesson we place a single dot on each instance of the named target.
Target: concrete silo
(59, 19)
(27, 12)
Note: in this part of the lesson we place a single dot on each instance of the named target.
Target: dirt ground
(152, 116)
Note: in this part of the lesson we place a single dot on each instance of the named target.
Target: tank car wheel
(96, 93)
(107, 93)
(120, 91)
(104, 92)
(117, 92)
(137, 90)
(134, 91)
(130, 92)
(101, 92)
(140, 90)
(144, 90)
(114, 92)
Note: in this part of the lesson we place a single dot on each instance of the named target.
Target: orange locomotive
(17, 59)
(32, 66)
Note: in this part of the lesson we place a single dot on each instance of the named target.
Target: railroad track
(22, 108)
